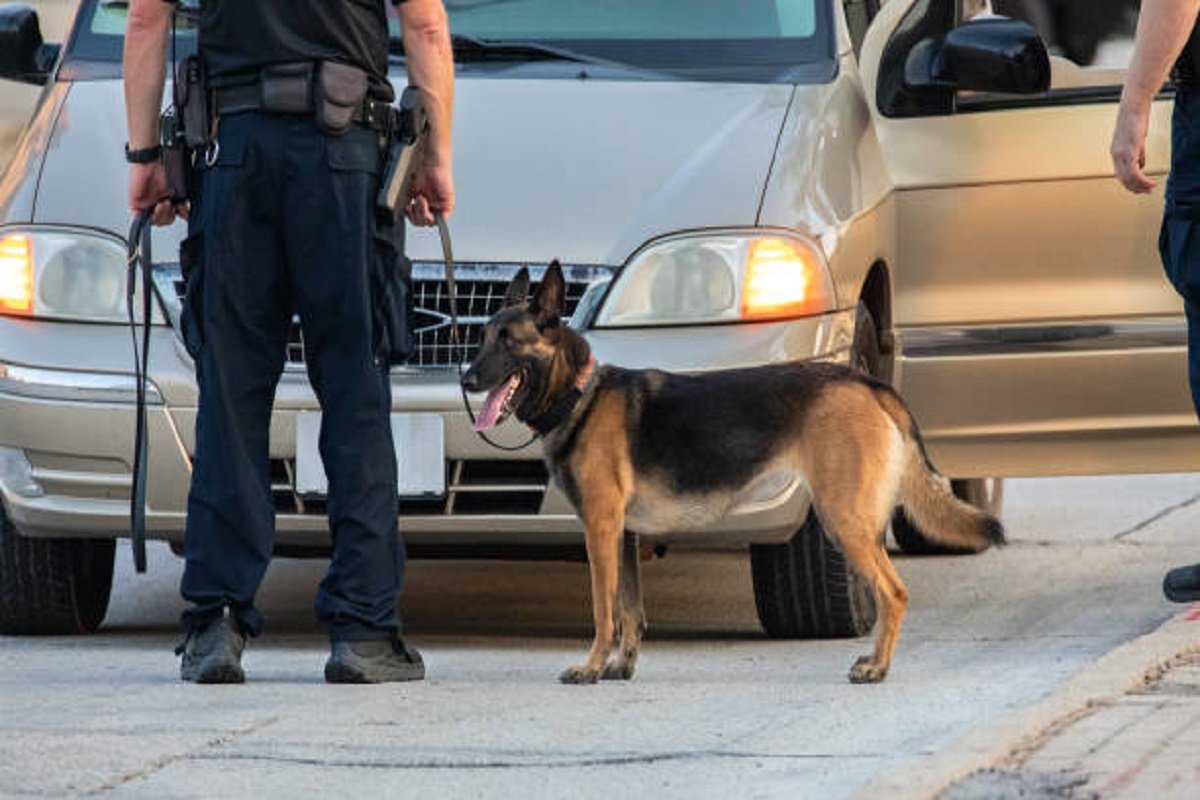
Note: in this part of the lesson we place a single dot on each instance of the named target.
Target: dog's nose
(470, 381)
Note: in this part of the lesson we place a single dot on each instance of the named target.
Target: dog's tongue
(489, 415)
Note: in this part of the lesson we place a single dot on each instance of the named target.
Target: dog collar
(557, 414)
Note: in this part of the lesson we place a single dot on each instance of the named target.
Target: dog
(648, 452)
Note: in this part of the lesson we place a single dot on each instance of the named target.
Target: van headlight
(703, 278)
(63, 274)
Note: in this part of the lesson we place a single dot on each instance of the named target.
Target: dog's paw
(584, 674)
(619, 670)
(865, 670)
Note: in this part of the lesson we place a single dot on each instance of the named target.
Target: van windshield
(777, 40)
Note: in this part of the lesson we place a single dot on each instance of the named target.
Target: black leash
(456, 336)
(138, 253)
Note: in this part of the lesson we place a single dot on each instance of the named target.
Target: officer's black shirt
(239, 37)
(1187, 68)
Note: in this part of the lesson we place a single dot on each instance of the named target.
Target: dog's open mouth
(498, 404)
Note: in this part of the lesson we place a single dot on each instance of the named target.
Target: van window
(634, 19)
(1090, 44)
(775, 40)
(1086, 33)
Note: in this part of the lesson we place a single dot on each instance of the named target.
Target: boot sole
(1182, 595)
(220, 673)
(341, 673)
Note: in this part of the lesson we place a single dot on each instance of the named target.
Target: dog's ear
(518, 289)
(550, 299)
(578, 352)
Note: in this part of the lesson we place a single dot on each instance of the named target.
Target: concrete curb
(1119, 671)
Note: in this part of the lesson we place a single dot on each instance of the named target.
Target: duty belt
(226, 100)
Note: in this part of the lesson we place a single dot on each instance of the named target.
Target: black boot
(213, 654)
(374, 661)
(1182, 584)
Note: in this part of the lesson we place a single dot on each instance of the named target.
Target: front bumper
(67, 416)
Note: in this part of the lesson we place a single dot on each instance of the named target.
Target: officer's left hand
(432, 193)
(148, 187)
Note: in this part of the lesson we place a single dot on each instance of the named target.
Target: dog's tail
(926, 496)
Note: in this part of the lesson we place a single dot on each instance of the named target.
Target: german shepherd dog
(649, 452)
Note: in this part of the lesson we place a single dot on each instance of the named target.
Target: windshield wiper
(474, 48)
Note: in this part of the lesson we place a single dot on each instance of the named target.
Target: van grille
(480, 287)
(473, 487)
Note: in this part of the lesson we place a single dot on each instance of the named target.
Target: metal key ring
(212, 154)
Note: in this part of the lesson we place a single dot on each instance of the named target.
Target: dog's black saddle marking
(716, 431)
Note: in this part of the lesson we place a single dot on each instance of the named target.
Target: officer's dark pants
(284, 222)
(1179, 241)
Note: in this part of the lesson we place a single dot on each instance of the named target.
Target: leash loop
(212, 153)
(456, 335)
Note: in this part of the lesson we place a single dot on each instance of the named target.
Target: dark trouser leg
(1192, 309)
(1179, 245)
(1181, 255)
(331, 249)
(1179, 241)
(243, 317)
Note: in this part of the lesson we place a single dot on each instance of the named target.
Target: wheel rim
(983, 493)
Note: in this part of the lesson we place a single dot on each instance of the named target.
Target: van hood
(585, 171)
(588, 171)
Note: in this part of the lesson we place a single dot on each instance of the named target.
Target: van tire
(984, 493)
(803, 588)
(867, 352)
(52, 586)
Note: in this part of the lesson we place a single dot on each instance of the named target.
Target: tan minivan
(936, 214)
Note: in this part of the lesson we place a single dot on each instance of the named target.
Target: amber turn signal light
(16, 275)
(782, 279)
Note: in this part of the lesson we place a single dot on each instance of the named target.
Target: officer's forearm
(1163, 29)
(430, 64)
(144, 66)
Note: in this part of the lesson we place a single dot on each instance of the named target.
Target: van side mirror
(990, 54)
(23, 55)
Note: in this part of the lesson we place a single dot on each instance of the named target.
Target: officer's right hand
(1128, 150)
(148, 187)
(432, 193)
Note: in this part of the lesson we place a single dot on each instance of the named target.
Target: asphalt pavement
(1002, 656)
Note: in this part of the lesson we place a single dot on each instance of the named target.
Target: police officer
(282, 220)
(1163, 31)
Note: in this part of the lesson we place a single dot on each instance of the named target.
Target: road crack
(166, 761)
(1146, 523)
(530, 763)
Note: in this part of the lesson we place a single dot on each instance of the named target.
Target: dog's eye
(502, 334)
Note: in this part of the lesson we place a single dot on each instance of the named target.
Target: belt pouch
(287, 88)
(191, 101)
(176, 157)
(338, 95)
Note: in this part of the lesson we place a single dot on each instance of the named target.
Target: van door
(1035, 331)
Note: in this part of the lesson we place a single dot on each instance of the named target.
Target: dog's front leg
(630, 613)
(604, 530)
